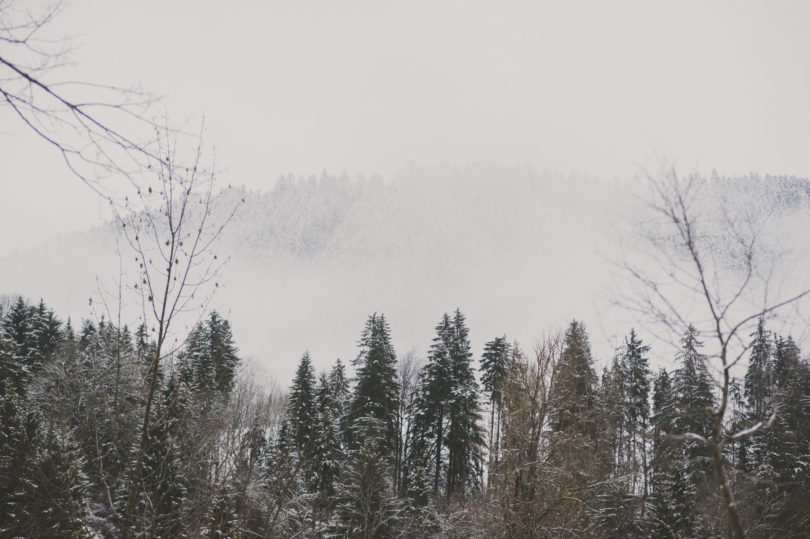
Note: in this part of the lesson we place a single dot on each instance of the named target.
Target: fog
(521, 252)
(499, 149)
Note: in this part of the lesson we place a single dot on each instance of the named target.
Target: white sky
(369, 86)
(602, 88)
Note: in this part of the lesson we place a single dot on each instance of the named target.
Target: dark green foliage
(210, 359)
(493, 366)
(328, 455)
(693, 402)
(671, 496)
(367, 507)
(576, 387)
(447, 432)
(759, 375)
(28, 336)
(376, 391)
(301, 409)
(575, 457)
(42, 484)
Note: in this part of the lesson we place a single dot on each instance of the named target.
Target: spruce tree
(494, 362)
(327, 452)
(367, 506)
(694, 405)
(447, 415)
(42, 484)
(301, 417)
(758, 376)
(636, 390)
(210, 357)
(376, 391)
(669, 499)
(574, 391)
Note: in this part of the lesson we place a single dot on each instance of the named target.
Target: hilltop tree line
(515, 445)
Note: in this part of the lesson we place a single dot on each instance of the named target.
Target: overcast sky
(598, 87)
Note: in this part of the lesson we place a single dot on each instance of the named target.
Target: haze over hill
(519, 251)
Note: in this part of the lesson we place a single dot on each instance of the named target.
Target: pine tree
(669, 499)
(46, 332)
(341, 397)
(376, 392)
(367, 507)
(785, 467)
(164, 487)
(636, 390)
(13, 370)
(18, 357)
(694, 404)
(301, 416)
(464, 437)
(574, 392)
(42, 484)
(759, 373)
(494, 362)
(210, 357)
(447, 415)
(328, 456)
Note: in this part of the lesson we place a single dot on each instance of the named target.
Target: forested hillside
(498, 442)
(312, 255)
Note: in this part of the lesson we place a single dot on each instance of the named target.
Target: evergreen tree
(367, 507)
(210, 358)
(783, 470)
(301, 415)
(577, 449)
(341, 397)
(494, 362)
(17, 344)
(339, 386)
(694, 406)
(671, 497)
(46, 332)
(42, 484)
(635, 373)
(758, 376)
(376, 392)
(574, 393)
(13, 370)
(164, 486)
(328, 457)
(447, 415)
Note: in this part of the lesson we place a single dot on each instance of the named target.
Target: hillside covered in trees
(321, 252)
(498, 442)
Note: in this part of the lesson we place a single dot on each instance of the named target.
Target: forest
(147, 419)
(507, 442)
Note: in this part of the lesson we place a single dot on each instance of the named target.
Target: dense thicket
(400, 449)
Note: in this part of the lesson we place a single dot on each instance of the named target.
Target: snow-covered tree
(376, 391)
(447, 418)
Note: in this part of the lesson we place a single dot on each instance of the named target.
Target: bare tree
(171, 228)
(101, 131)
(706, 264)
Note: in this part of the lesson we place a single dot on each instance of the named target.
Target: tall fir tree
(694, 404)
(210, 358)
(758, 376)
(301, 411)
(376, 391)
(671, 496)
(366, 505)
(327, 454)
(494, 364)
(447, 428)
(636, 391)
